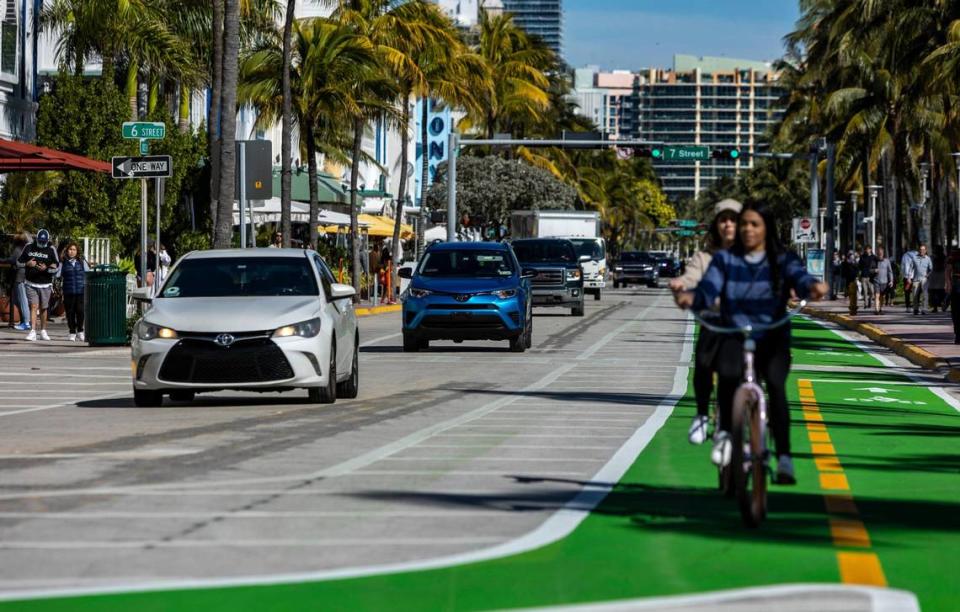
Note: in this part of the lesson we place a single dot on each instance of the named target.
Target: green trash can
(105, 306)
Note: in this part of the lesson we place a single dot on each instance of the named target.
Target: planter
(5, 310)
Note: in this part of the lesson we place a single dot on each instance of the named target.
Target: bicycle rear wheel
(747, 461)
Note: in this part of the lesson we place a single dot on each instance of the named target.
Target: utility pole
(831, 211)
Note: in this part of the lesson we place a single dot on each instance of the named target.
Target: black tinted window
(241, 276)
(636, 258)
(545, 251)
(468, 262)
(591, 248)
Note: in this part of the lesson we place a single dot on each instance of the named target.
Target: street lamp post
(853, 218)
(956, 156)
(874, 192)
(838, 207)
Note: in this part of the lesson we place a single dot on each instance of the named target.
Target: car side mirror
(341, 292)
(585, 258)
(405, 273)
(528, 273)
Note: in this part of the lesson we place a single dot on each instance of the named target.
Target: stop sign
(805, 224)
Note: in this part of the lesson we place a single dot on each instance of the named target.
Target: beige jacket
(696, 267)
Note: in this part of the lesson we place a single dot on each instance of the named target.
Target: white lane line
(137, 454)
(539, 427)
(442, 472)
(380, 339)
(564, 412)
(529, 435)
(519, 446)
(62, 404)
(512, 459)
(250, 514)
(232, 543)
(562, 419)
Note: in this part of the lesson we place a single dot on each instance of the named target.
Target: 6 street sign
(155, 166)
(686, 153)
(144, 130)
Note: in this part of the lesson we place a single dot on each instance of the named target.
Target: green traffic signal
(656, 153)
(734, 154)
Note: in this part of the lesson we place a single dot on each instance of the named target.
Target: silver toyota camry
(247, 319)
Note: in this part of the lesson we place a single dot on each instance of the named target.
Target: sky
(632, 34)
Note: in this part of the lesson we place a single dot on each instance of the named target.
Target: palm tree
(287, 130)
(20, 207)
(325, 60)
(223, 230)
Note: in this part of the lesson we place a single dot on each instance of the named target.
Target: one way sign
(154, 166)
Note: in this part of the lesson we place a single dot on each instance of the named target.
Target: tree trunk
(899, 172)
(154, 96)
(424, 172)
(358, 125)
(183, 115)
(213, 118)
(287, 136)
(401, 190)
(228, 124)
(131, 88)
(307, 128)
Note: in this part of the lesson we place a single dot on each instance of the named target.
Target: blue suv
(467, 291)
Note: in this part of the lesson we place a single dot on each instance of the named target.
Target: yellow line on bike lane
(859, 565)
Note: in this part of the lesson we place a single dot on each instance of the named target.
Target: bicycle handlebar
(749, 329)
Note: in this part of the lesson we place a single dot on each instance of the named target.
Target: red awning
(22, 157)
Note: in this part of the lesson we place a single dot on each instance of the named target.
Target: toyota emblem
(225, 340)
(462, 298)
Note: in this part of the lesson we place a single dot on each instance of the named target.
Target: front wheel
(748, 459)
(518, 344)
(328, 393)
(143, 398)
(596, 296)
(350, 388)
(183, 396)
(578, 310)
(411, 344)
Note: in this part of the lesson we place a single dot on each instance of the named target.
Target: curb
(911, 352)
(375, 310)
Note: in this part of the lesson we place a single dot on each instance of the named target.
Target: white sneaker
(785, 475)
(722, 448)
(32, 336)
(72, 337)
(698, 430)
(43, 335)
(81, 337)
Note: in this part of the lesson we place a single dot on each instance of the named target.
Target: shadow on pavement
(633, 399)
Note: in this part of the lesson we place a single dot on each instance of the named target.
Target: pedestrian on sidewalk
(40, 264)
(868, 272)
(835, 275)
(906, 269)
(19, 293)
(922, 267)
(850, 273)
(73, 272)
(882, 281)
(938, 283)
(953, 290)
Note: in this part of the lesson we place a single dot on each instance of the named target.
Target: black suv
(636, 267)
(559, 279)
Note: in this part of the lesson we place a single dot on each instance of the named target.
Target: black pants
(73, 303)
(955, 314)
(772, 365)
(706, 353)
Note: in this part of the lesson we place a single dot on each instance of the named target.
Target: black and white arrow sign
(154, 166)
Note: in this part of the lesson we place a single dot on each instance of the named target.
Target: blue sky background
(632, 34)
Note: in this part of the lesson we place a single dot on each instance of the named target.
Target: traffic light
(654, 152)
(731, 154)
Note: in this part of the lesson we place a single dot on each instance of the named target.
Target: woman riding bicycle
(723, 234)
(754, 292)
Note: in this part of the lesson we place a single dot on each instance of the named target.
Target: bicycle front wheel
(748, 458)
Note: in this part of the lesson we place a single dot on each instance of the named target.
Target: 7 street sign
(156, 166)
(144, 130)
(686, 153)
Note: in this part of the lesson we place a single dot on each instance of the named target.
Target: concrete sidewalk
(926, 340)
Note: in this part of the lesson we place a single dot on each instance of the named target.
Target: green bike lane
(665, 530)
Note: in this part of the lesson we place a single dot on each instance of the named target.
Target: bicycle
(744, 475)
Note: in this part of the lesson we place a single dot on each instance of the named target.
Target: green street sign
(686, 153)
(685, 233)
(687, 222)
(144, 147)
(144, 130)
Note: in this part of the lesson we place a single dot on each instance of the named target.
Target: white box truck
(580, 226)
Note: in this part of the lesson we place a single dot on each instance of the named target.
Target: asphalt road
(95, 492)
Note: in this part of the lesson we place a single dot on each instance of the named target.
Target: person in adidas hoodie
(40, 264)
(73, 271)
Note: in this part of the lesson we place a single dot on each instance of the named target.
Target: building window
(9, 37)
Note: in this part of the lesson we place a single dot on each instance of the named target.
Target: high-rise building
(542, 18)
(600, 96)
(721, 103)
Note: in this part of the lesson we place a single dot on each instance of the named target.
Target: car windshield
(241, 277)
(636, 258)
(535, 251)
(466, 263)
(591, 248)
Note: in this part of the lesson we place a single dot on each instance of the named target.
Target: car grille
(246, 361)
(548, 277)
(461, 307)
(462, 322)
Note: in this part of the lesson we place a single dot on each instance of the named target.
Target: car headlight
(505, 293)
(420, 293)
(306, 329)
(573, 275)
(149, 331)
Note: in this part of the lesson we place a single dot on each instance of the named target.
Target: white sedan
(251, 320)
